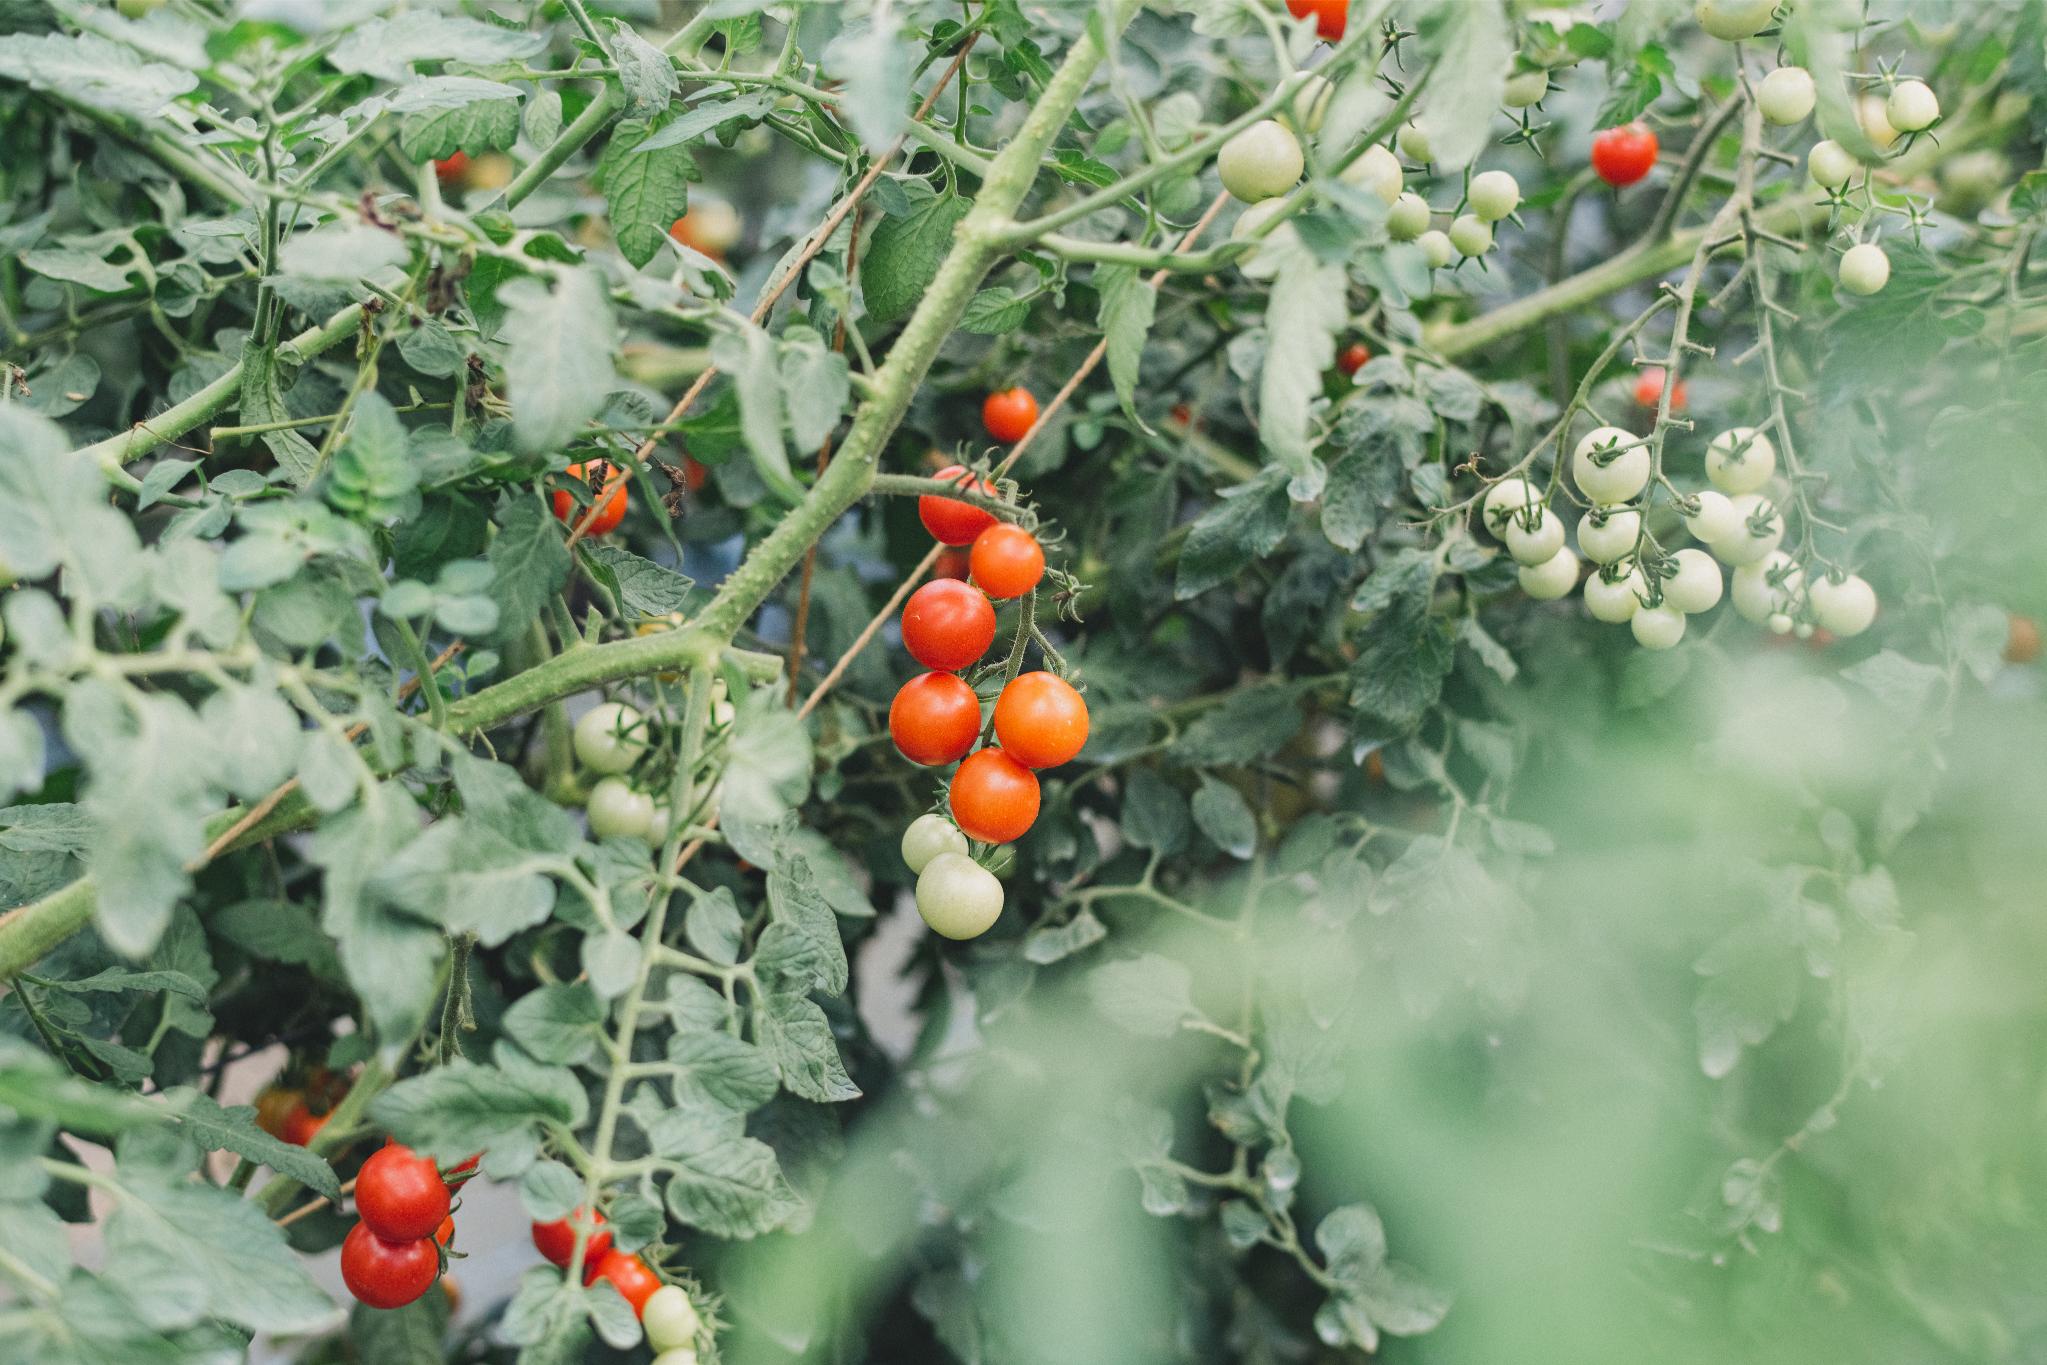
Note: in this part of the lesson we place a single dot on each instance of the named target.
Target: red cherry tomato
(451, 168)
(1623, 155)
(935, 718)
(302, 1124)
(948, 625)
(557, 1240)
(387, 1274)
(400, 1194)
(952, 562)
(994, 797)
(1007, 561)
(695, 473)
(1352, 358)
(1008, 414)
(595, 476)
(1330, 15)
(950, 521)
(629, 1276)
(1649, 389)
(1040, 721)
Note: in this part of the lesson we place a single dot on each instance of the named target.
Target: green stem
(587, 125)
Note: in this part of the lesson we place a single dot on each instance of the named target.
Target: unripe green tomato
(1493, 195)
(1525, 88)
(1262, 262)
(616, 811)
(1733, 20)
(1971, 180)
(1845, 608)
(1875, 117)
(928, 836)
(1864, 268)
(1436, 248)
(1551, 579)
(1614, 479)
(1787, 95)
(137, 9)
(610, 737)
(1716, 518)
(1740, 460)
(1377, 170)
(1607, 534)
(1911, 108)
(1657, 627)
(1262, 161)
(957, 896)
(1506, 498)
(1615, 601)
(1746, 545)
(1471, 235)
(1696, 585)
(681, 1355)
(1307, 103)
(1755, 597)
(670, 1319)
(1408, 219)
(1534, 535)
(1831, 164)
(1413, 143)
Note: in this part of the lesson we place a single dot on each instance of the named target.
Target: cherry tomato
(1007, 561)
(400, 1194)
(629, 1276)
(301, 1124)
(948, 625)
(952, 562)
(2022, 640)
(451, 168)
(695, 474)
(273, 1109)
(957, 896)
(1330, 16)
(950, 521)
(387, 1274)
(1009, 413)
(711, 226)
(994, 797)
(934, 719)
(1623, 155)
(670, 1319)
(1352, 358)
(594, 476)
(1649, 389)
(1040, 721)
(557, 1240)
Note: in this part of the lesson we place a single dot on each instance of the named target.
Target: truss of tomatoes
(948, 625)
(401, 1245)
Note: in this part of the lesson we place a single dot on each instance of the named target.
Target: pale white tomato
(1261, 262)
(1733, 20)
(927, 836)
(1657, 627)
(1436, 248)
(1787, 95)
(1864, 268)
(1831, 164)
(957, 896)
(1413, 143)
(1534, 535)
(1715, 518)
(1696, 585)
(1606, 534)
(616, 811)
(1911, 108)
(1408, 218)
(1615, 600)
(1493, 195)
(1740, 460)
(1471, 235)
(669, 1319)
(1551, 579)
(1378, 170)
(1525, 88)
(1307, 103)
(1761, 531)
(610, 737)
(1755, 595)
(1846, 608)
(1604, 476)
(1261, 162)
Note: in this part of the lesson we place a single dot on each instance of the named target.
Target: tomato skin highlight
(1331, 16)
(950, 521)
(1621, 156)
(629, 1276)
(934, 719)
(1007, 561)
(1009, 413)
(557, 1240)
(1040, 720)
(400, 1194)
(947, 625)
(385, 1274)
(610, 512)
(1352, 358)
(994, 797)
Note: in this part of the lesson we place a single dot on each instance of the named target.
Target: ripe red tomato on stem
(1040, 720)
(994, 797)
(629, 1276)
(934, 719)
(1009, 413)
(950, 521)
(400, 1194)
(948, 625)
(1623, 155)
(557, 1240)
(594, 475)
(1649, 389)
(1331, 16)
(387, 1274)
(1352, 358)
(451, 167)
(1007, 561)
(952, 562)
(302, 1125)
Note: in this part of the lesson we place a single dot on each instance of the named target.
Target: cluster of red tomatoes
(398, 1249)
(295, 1113)
(665, 1311)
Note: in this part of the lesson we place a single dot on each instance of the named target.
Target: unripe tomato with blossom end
(1615, 600)
(1846, 607)
(1865, 269)
(1649, 389)
(1378, 170)
(1040, 720)
(1607, 477)
(1733, 20)
(1437, 248)
(1493, 195)
(928, 836)
(629, 1275)
(1525, 88)
(1471, 235)
(1621, 156)
(386, 1274)
(400, 1194)
(1912, 107)
(958, 897)
(994, 797)
(1657, 627)
(1331, 16)
(1307, 103)
(1008, 414)
(670, 1320)
(1608, 534)
(1830, 164)
(1715, 518)
(557, 1240)
(610, 737)
(616, 811)
(1534, 535)
(1787, 95)
(1506, 499)
(1408, 219)
(1413, 143)
(949, 520)
(1740, 460)
(1261, 162)
(948, 625)
(610, 507)
(1007, 561)
(1748, 545)
(2021, 640)
(1696, 586)
(934, 719)
(1551, 579)
(1755, 596)
(1352, 358)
